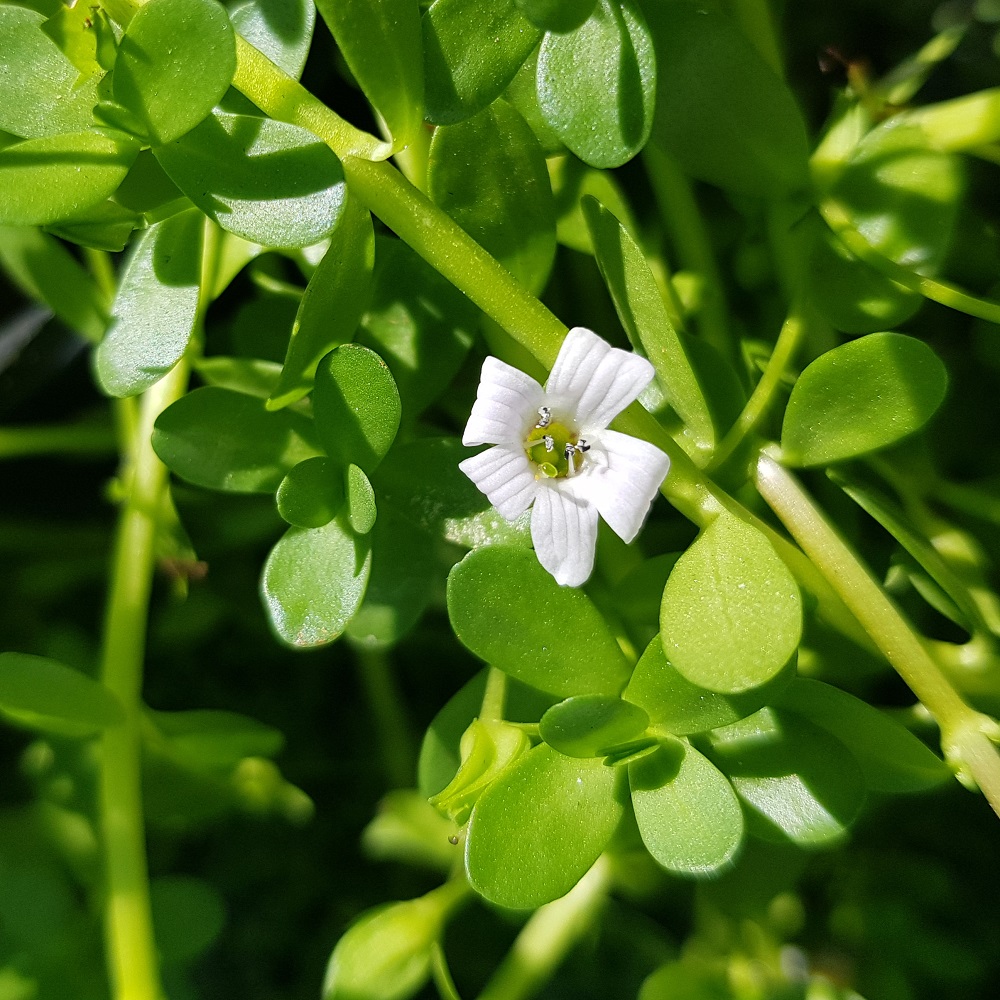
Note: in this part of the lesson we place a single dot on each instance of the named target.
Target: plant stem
(386, 704)
(495, 696)
(129, 938)
(548, 936)
(81, 440)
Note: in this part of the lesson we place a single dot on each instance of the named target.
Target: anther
(544, 417)
(549, 442)
(582, 446)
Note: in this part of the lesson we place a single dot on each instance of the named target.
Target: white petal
(506, 405)
(506, 476)
(624, 488)
(594, 381)
(564, 532)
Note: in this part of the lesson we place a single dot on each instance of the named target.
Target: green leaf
(891, 758)
(56, 177)
(356, 406)
(105, 226)
(861, 396)
(423, 484)
(281, 29)
(682, 708)
(572, 180)
(160, 90)
(311, 494)
(250, 376)
(226, 440)
(556, 15)
(512, 614)
(642, 312)
(332, 305)
(688, 814)
(522, 93)
(270, 182)
(188, 917)
(213, 741)
(361, 510)
(591, 725)
(804, 784)
(731, 616)
(597, 84)
(472, 49)
(39, 91)
(313, 583)
(41, 694)
(156, 307)
(538, 829)
(721, 112)
(687, 979)
(381, 41)
(488, 173)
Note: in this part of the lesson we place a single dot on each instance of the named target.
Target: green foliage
(281, 29)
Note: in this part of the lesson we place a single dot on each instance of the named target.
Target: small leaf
(538, 829)
(356, 406)
(861, 396)
(226, 440)
(313, 583)
(156, 307)
(688, 814)
(597, 84)
(270, 182)
(281, 29)
(104, 226)
(361, 510)
(591, 725)
(891, 758)
(381, 41)
(214, 741)
(311, 494)
(572, 181)
(163, 90)
(557, 15)
(332, 305)
(46, 180)
(731, 616)
(41, 694)
(472, 49)
(512, 614)
(250, 376)
(188, 917)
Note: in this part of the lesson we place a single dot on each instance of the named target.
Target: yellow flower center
(556, 450)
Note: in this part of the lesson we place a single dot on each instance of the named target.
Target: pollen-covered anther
(544, 416)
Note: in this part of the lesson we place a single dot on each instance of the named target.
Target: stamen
(582, 446)
(549, 442)
(544, 417)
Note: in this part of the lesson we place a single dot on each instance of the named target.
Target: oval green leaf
(511, 613)
(591, 725)
(42, 694)
(557, 15)
(731, 616)
(861, 396)
(227, 440)
(313, 582)
(597, 84)
(188, 916)
(208, 740)
(156, 307)
(361, 509)
(270, 182)
(175, 61)
(311, 494)
(688, 815)
(281, 29)
(538, 829)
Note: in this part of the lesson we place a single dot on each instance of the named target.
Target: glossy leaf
(472, 49)
(538, 829)
(53, 178)
(731, 616)
(156, 307)
(572, 181)
(160, 91)
(361, 509)
(226, 440)
(861, 396)
(591, 725)
(488, 173)
(557, 15)
(251, 376)
(332, 305)
(270, 182)
(381, 41)
(597, 84)
(356, 406)
(687, 812)
(311, 494)
(512, 614)
(281, 29)
(313, 583)
(41, 91)
(721, 112)
(891, 758)
(105, 226)
(42, 694)
(522, 93)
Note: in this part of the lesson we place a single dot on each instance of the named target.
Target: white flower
(552, 448)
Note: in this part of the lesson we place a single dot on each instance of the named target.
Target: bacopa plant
(696, 600)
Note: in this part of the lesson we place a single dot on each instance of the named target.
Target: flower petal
(506, 476)
(564, 532)
(506, 405)
(624, 488)
(595, 381)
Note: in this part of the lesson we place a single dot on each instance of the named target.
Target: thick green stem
(129, 938)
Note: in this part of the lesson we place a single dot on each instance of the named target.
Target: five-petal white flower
(552, 448)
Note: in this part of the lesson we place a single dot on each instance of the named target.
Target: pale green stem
(494, 697)
(129, 937)
(16, 442)
(548, 936)
(391, 725)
